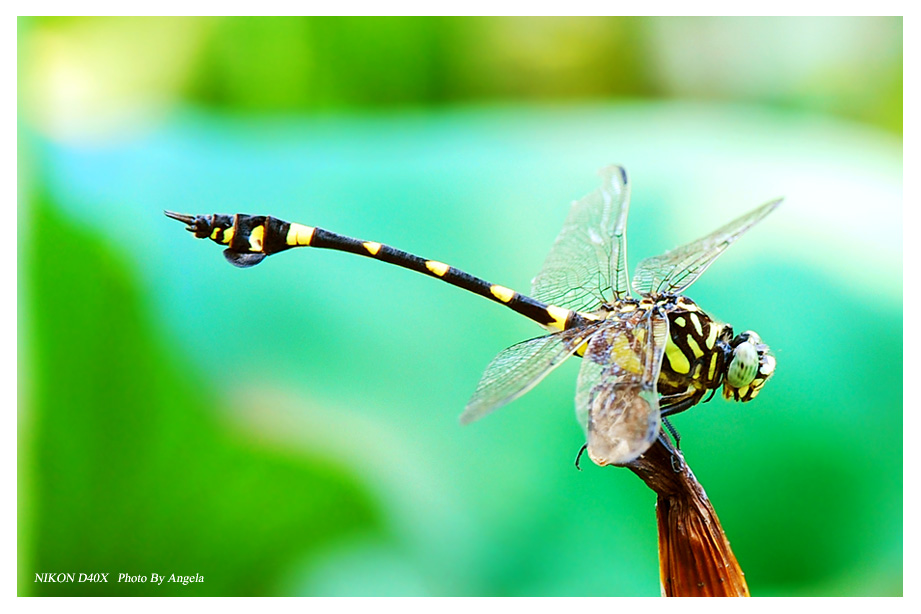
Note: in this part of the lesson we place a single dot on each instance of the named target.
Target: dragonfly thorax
(621, 309)
(702, 354)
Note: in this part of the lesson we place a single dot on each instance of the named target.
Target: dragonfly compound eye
(751, 366)
(744, 365)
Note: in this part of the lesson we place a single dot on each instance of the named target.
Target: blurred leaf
(128, 472)
(96, 76)
(286, 63)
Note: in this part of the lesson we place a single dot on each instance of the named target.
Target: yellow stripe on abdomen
(559, 316)
(438, 268)
(222, 236)
(299, 235)
(502, 293)
(256, 237)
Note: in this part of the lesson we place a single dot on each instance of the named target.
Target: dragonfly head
(751, 364)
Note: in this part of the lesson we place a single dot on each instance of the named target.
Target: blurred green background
(292, 429)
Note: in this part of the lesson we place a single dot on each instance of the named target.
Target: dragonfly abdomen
(250, 238)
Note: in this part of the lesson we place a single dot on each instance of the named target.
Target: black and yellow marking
(696, 356)
(250, 238)
(438, 268)
(659, 344)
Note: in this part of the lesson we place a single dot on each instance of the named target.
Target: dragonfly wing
(517, 369)
(589, 254)
(674, 271)
(616, 398)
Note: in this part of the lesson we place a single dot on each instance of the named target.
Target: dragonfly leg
(676, 403)
(579, 455)
(673, 404)
(677, 463)
(676, 460)
(673, 431)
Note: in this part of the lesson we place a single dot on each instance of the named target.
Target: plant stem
(695, 559)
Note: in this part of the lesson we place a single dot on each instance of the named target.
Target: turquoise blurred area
(292, 429)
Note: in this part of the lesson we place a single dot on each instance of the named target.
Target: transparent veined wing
(517, 369)
(590, 253)
(616, 398)
(677, 269)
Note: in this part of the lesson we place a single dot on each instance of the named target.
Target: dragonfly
(646, 355)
